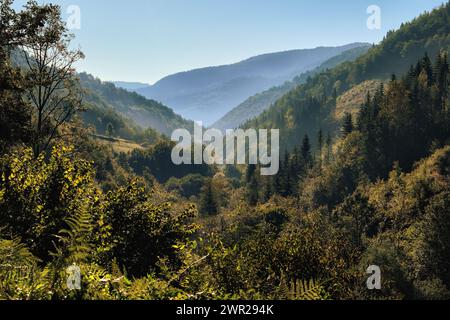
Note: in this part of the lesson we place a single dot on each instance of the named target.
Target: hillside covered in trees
(368, 187)
(311, 106)
(257, 104)
(147, 114)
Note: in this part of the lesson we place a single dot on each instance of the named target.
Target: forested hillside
(309, 107)
(370, 189)
(145, 113)
(255, 105)
(132, 116)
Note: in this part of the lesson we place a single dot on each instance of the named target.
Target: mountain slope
(351, 101)
(145, 113)
(132, 116)
(258, 103)
(209, 93)
(130, 86)
(311, 106)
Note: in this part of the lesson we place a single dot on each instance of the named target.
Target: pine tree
(252, 185)
(268, 189)
(320, 144)
(282, 184)
(208, 202)
(428, 68)
(441, 71)
(278, 183)
(418, 69)
(110, 130)
(287, 175)
(306, 152)
(295, 168)
(329, 146)
(347, 127)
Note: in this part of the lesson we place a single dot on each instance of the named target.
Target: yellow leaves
(62, 149)
(39, 208)
(403, 196)
(179, 247)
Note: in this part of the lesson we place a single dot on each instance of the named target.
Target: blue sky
(145, 40)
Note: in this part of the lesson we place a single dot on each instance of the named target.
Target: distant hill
(312, 106)
(132, 116)
(255, 105)
(208, 94)
(130, 86)
(104, 96)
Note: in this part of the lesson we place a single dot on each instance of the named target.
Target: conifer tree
(208, 202)
(428, 68)
(110, 130)
(347, 127)
(252, 185)
(329, 146)
(268, 189)
(441, 72)
(305, 150)
(281, 184)
(320, 146)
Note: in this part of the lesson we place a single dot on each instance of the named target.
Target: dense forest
(311, 106)
(370, 188)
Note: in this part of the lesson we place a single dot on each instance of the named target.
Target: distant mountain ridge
(255, 105)
(130, 86)
(209, 93)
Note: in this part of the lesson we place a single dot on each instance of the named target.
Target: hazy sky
(145, 40)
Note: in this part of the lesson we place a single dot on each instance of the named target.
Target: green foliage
(157, 160)
(378, 195)
(141, 231)
(19, 276)
(99, 115)
(188, 186)
(38, 196)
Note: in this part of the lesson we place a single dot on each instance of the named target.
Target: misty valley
(318, 174)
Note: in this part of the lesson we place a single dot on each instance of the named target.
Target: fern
(14, 254)
(72, 248)
(19, 273)
(73, 245)
(308, 290)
